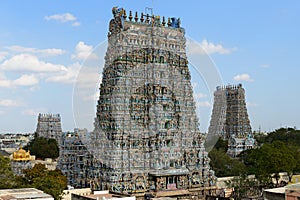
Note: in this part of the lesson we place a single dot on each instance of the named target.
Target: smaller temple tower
(49, 126)
(75, 161)
(230, 119)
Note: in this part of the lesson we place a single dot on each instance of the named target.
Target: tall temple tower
(49, 126)
(230, 119)
(146, 130)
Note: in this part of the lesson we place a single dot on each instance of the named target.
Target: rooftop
(295, 186)
(280, 190)
(24, 193)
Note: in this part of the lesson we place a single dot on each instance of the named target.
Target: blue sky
(43, 45)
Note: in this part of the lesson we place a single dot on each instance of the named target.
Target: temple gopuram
(146, 135)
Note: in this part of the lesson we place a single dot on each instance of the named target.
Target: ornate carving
(146, 115)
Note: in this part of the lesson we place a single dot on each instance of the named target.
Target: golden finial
(157, 19)
(136, 18)
(130, 15)
(164, 21)
(169, 22)
(142, 17)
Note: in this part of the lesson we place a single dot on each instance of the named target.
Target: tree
(51, 182)
(244, 186)
(288, 136)
(43, 148)
(295, 150)
(221, 144)
(8, 180)
(270, 159)
(224, 165)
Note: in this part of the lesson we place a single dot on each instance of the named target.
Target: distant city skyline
(43, 46)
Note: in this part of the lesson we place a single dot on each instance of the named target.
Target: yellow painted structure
(21, 155)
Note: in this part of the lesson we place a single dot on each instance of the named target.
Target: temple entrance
(172, 183)
(168, 181)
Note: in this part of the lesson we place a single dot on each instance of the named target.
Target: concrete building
(24, 194)
(223, 190)
(49, 126)
(101, 195)
(230, 119)
(146, 135)
(67, 194)
(274, 194)
(11, 142)
(292, 192)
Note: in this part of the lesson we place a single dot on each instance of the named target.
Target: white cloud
(38, 70)
(203, 104)
(243, 77)
(26, 80)
(206, 47)
(76, 24)
(67, 76)
(66, 17)
(2, 112)
(43, 52)
(3, 81)
(27, 62)
(9, 103)
(82, 76)
(63, 18)
(199, 96)
(88, 77)
(52, 51)
(2, 76)
(41, 70)
(3, 55)
(83, 51)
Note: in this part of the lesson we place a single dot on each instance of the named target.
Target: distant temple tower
(230, 119)
(49, 126)
(146, 129)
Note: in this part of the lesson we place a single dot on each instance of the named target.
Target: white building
(24, 194)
